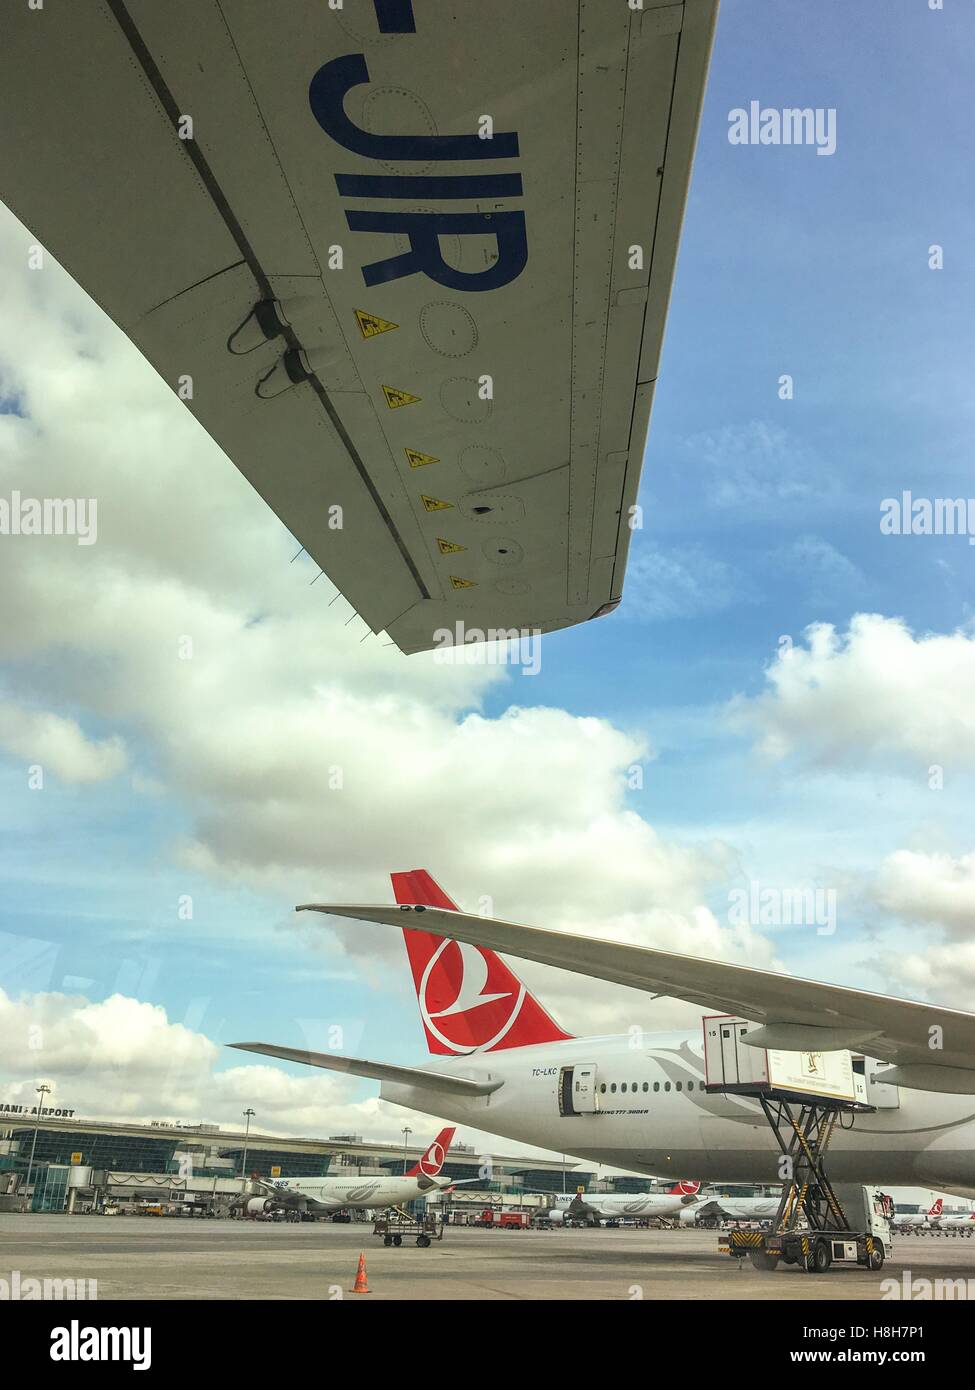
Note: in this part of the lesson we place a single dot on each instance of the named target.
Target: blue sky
(762, 517)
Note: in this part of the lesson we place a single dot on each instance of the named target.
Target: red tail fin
(435, 1156)
(936, 1209)
(470, 1001)
(685, 1189)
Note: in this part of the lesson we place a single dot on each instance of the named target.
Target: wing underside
(407, 261)
(932, 1048)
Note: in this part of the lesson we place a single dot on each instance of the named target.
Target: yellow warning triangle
(417, 460)
(448, 547)
(395, 398)
(462, 583)
(370, 326)
(434, 504)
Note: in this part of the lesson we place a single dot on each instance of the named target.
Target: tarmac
(160, 1258)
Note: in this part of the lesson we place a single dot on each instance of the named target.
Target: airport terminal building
(60, 1161)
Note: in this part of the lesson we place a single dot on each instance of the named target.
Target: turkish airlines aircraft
(326, 1194)
(614, 1206)
(960, 1222)
(730, 1209)
(502, 1064)
(407, 261)
(923, 1223)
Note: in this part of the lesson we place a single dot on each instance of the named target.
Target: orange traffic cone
(360, 1285)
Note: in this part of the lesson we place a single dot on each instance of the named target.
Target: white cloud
(123, 1060)
(58, 745)
(944, 972)
(876, 694)
(305, 761)
(937, 889)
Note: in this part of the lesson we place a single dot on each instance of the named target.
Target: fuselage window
(666, 1085)
(690, 1085)
(656, 1085)
(623, 1088)
(677, 1086)
(646, 1085)
(613, 1088)
(602, 1089)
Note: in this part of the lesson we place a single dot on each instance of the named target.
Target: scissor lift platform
(811, 1229)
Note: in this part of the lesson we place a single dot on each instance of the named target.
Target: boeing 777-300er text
(503, 1065)
(320, 1196)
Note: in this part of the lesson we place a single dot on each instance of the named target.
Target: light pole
(248, 1114)
(406, 1134)
(42, 1091)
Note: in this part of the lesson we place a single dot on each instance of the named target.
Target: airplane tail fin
(685, 1189)
(936, 1209)
(433, 1160)
(469, 999)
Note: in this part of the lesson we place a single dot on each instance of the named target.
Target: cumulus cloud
(56, 744)
(942, 972)
(305, 756)
(933, 888)
(877, 694)
(125, 1060)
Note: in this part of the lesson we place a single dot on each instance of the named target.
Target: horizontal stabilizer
(377, 1071)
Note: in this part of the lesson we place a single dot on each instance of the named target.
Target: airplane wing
(933, 1048)
(407, 261)
(378, 1071)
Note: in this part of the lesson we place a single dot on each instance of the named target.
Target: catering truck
(804, 1095)
(861, 1237)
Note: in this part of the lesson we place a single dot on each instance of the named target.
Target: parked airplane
(594, 1207)
(711, 1207)
(916, 1221)
(320, 1196)
(502, 1064)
